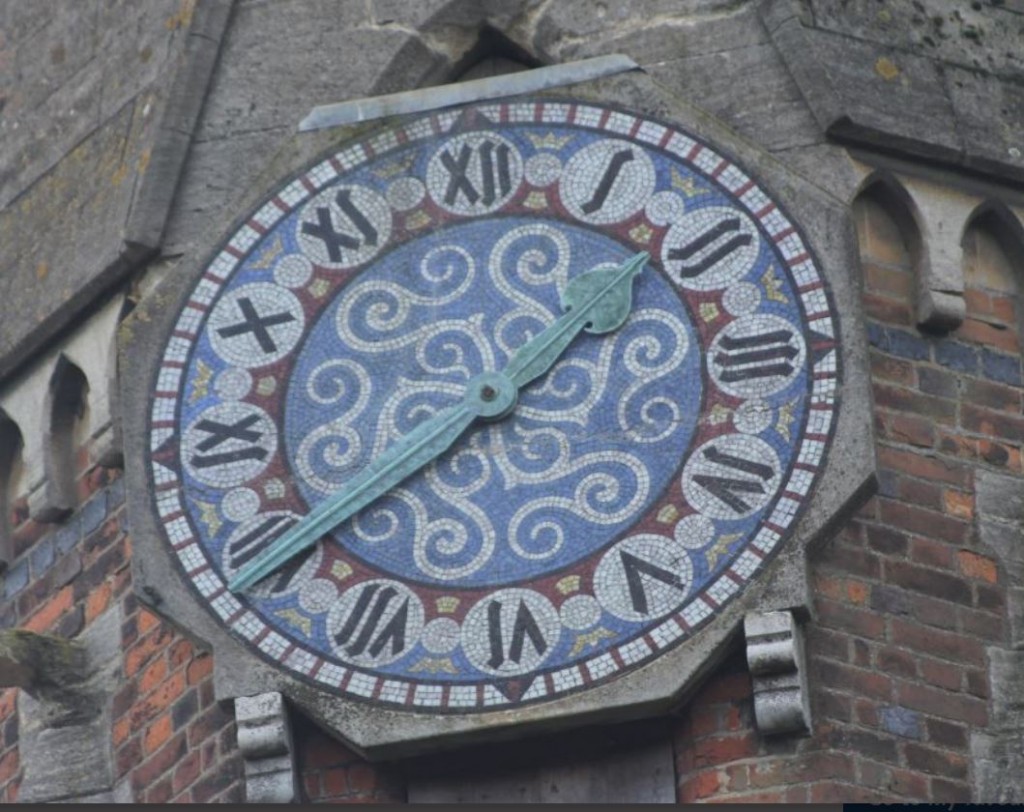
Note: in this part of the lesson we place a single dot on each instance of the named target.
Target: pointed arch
(992, 243)
(493, 54)
(67, 410)
(11, 445)
(891, 246)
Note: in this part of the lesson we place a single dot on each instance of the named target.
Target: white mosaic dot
(543, 169)
(580, 612)
(441, 636)
(234, 383)
(741, 298)
(695, 531)
(293, 271)
(753, 417)
(240, 504)
(664, 208)
(406, 193)
(318, 595)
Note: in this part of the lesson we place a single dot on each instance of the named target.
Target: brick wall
(331, 773)
(906, 600)
(170, 740)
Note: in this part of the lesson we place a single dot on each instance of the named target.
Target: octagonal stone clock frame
(585, 552)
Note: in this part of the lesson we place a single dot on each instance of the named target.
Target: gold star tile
(434, 665)
(641, 234)
(773, 286)
(590, 639)
(548, 140)
(668, 514)
(201, 382)
(341, 570)
(417, 220)
(269, 254)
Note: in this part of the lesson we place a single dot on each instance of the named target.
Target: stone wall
(112, 167)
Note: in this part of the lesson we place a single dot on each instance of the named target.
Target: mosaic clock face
(634, 490)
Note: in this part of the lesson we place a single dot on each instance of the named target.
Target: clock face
(636, 488)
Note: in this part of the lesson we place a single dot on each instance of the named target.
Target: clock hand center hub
(491, 395)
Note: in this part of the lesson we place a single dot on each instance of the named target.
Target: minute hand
(598, 301)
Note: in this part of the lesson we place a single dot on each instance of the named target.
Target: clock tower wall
(877, 655)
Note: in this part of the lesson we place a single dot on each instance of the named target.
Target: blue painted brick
(115, 494)
(908, 345)
(961, 357)
(93, 512)
(16, 578)
(888, 484)
(42, 555)
(901, 722)
(67, 536)
(877, 336)
(999, 367)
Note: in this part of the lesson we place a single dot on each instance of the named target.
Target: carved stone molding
(265, 740)
(775, 656)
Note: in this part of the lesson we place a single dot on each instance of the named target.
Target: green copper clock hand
(410, 453)
(598, 301)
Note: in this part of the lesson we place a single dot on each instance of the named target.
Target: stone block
(999, 496)
(775, 657)
(85, 195)
(265, 741)
(641, 774)
(1006, 673)
(990, 116)
(60, 754)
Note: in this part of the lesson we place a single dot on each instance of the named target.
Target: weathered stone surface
(70, 75)
(913, 79)
(990, 119)
(1000, 496)
(47, 667)
(87, 203)
(998, 763)
(650, 31)
(997, 753)
(66, 759)
(775, 657)
(635, 770)
(981, 36)
(763, 105)
(250, 110)
(76, 211)
(265, 741)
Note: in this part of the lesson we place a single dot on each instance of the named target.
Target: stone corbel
(775, 657)
(64, 711)
(53, 670)
(942, 217)
(265, 741)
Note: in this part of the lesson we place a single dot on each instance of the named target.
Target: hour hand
(489, 395)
